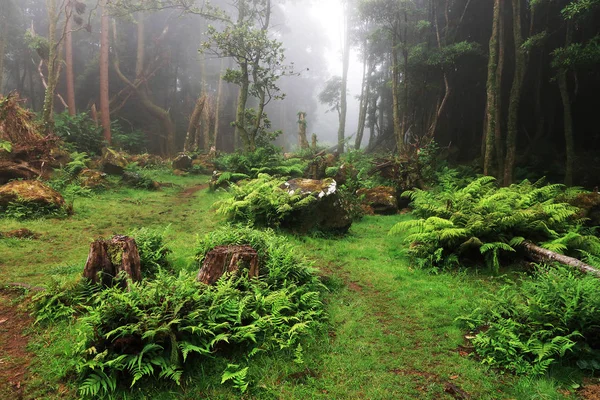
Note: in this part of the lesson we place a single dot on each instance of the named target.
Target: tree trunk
(229, 259)
(190, 143)
(405, 84)
(108, 258)
(498, 136)
(240, 114)
(4, 17)
(398, 134)
(344, 89)
(492, 90)
(567, 116)
(302, 140)
(515, 95)
(104, 96)
(364, 98)
(53, 68)
(539, 254)
(70, 76)
(218, 104)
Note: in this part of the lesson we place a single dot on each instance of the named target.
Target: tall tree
(70, 75)
(345, 66)
(492, 92)
(104, 60)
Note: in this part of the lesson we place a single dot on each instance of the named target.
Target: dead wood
(539, 254)
(229, 259)
(108, 258)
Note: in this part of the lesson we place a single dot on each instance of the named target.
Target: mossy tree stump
(107, 258)
(230, 259)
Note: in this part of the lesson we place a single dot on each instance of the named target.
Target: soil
(189, 192)
(590, 390)
(14, 358)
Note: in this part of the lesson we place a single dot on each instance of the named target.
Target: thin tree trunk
(567, 116)
(4, 14)
(492, 90)
(398, 133)
(344, 89)
(405, 84)
(515, 95)
(191, 144)
(70, 75)
(302, 140)
(364, 98)
(104, 95)
(53, 68)
(539, 254)
(218, 104)
(498, 136)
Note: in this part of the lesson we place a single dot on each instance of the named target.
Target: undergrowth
(552, 317)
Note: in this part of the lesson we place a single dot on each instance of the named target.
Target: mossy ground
(391, 333)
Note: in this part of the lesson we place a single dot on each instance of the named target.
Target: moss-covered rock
(328, 213)
(182, 162)
(92, 179)
(113, 162)
(34, 192)
(379, 200)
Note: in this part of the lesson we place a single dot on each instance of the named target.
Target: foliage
(550, 318)
(24, 210)
(157, 327)
(80, 132)
(152, 249)
(133, 142)
(5, 146)
(266, 159)
(78, 162)
(577, 55)
(262, 202)
(332, 94)
(481, 218)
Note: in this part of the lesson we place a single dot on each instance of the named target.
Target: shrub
(158, 327)
(261, 202)
(550, 318)
(482, 219)
(152, 249)
(80, 132)
(264, 160)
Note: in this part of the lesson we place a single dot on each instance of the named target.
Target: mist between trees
(503, 84)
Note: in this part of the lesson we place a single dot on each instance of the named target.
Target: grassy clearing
(391, 331)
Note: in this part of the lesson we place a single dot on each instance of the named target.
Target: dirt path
(14, 358)
(189, 192)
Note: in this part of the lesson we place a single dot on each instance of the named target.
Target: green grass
(391, 331)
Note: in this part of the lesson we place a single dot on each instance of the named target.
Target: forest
(267, 199)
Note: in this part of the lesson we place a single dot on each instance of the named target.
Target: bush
(550, 318)
(261, 202)
(79, 132)
(482, 219)
(152, 249)
(264, 160)
(158, 327)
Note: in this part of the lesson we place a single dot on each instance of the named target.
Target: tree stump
(224, 259)
(107, 258)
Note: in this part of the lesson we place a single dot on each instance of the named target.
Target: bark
(405, 82)
(218, 104)
(228, 259)
(492, 90)
(344, 89)
(191, 144)
(539, 254)
(515, 95)
(302, 140)
(108, 258)
(398, 133)
(53, 68)
(70, 75)
(567, 116)
(499, 146)
(364, 98)
(4, 14)
(104, 96)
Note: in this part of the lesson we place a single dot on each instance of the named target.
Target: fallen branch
(539, 254)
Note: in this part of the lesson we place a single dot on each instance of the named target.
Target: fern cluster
(552, 317)
(262, 203)
(162, 327)
(264, 160)
(152, 249)
(481, 219)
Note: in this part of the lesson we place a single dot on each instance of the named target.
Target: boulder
(135, 180)
(112, 162)
(328, 213)
(18, 169)
(92, 179)
(33, 192)
(182, 162)
(379, 200)
(146, 160)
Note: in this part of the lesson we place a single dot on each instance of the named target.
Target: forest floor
(392, 332)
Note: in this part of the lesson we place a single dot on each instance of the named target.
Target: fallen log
(539, 254)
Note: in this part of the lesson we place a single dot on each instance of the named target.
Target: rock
(112, 162)
(317, 167)
(381, 199)
(22, 233)
(203, 165)
(92, 179)
(10, 170)
(60, 157)
(328, 213)
(135, 180)
(34, 192)
(146, 160)
(182, 162)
